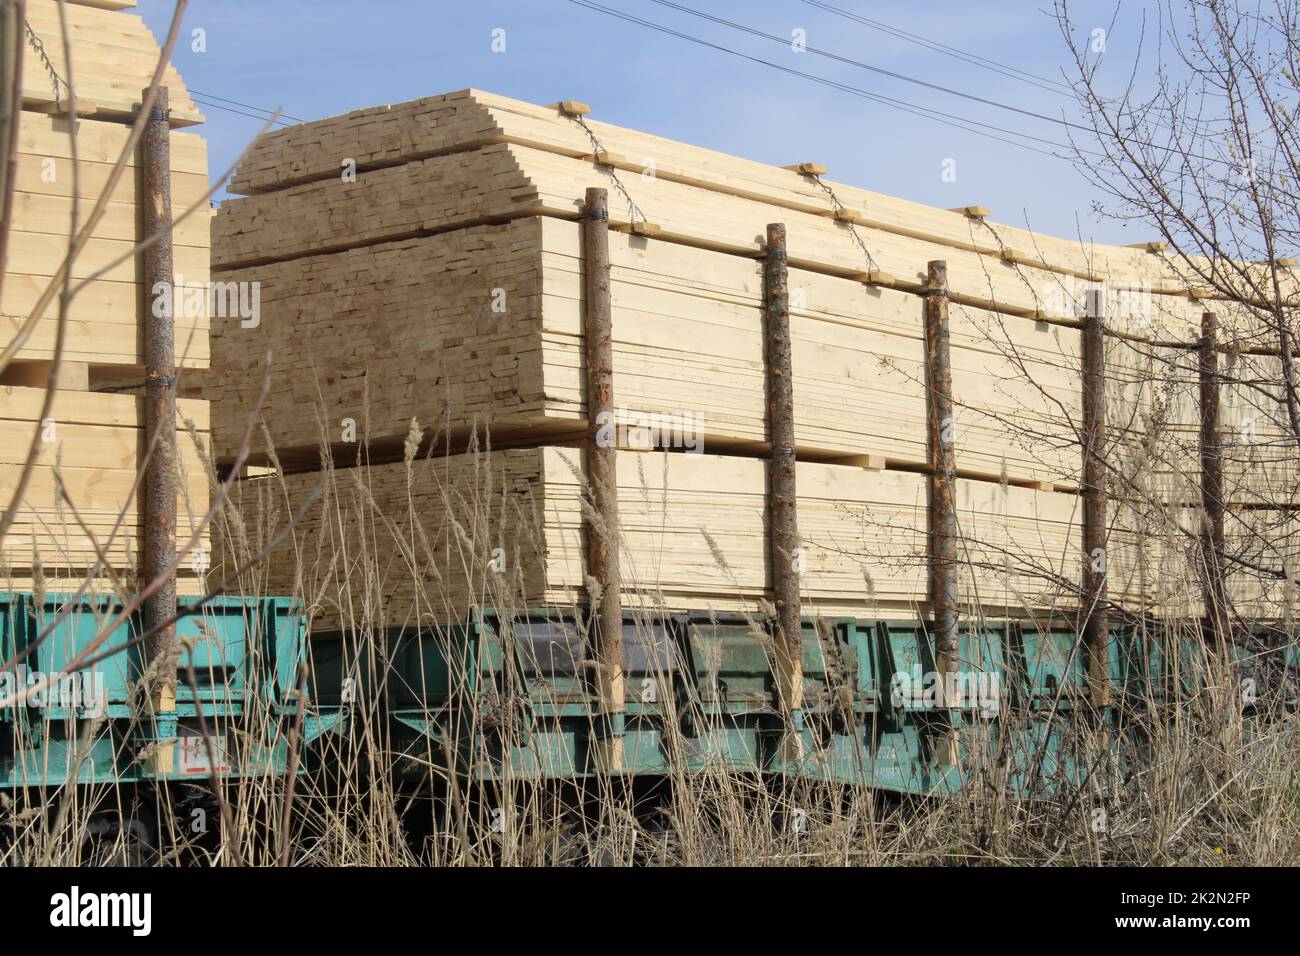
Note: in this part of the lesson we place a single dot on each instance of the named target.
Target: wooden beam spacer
(784, 555)
(1094, 611)
(807, 169)
(942, 538)
(606, 623)
(571, 107)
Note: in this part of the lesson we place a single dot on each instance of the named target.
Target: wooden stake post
(11, 78)
(943, 502)
(1212, 543)
(783, 523)
(602, 527)
(159, 491)
(1093, 605)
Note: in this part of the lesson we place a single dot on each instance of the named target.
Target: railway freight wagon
(74, 712)
(494, 326)
(509, 698)
(82, 733)
(239, 668)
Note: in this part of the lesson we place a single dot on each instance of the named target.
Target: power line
(218, 106)
(849, 61)
(1005, 69)
(997, 66)
(1060, 121)
(925, 112)
(247, 106)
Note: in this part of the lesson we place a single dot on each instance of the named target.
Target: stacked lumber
(441, 288)
(114, 56)
(408, 330)
(93, 452)
(505, 529)
(1262, 551)
(443, 192)
(385, 333)
(380, 324)
(104, 317)
(387, 136)
(1262, 584)
(81, 513)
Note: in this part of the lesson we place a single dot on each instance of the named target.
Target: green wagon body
(237, 669)
(509, 696)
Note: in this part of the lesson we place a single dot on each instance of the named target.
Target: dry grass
(1191, 781)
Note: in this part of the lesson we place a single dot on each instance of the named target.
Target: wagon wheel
(121, 836)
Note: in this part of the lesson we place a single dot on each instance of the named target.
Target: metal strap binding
(160, 380)
(39, 47)
(634, 211)
(842, 213)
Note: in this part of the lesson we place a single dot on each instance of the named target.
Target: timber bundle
(421, 275)
(82, 515)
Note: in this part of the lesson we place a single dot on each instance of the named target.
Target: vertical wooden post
(1212, 544)
(1096, 615)
(943, 501)
(783, 521)
(602, 528)
(12, 16)
(159, 489)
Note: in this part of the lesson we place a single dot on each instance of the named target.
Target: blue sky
(317, 58)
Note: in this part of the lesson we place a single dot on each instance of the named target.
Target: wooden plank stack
(91, 442)
(421, 262)
(505, 529)
(114, 56)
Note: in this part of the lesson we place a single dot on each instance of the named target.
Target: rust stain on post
(1212, 543)
(942, 486)
(1095, 624)
(783, 522)
(602, 526)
